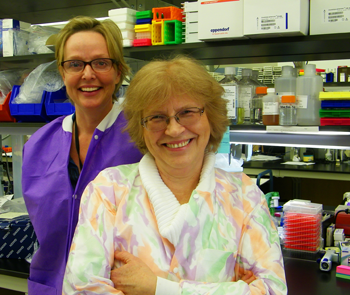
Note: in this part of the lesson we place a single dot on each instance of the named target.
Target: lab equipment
(302, 225)
(326, 261)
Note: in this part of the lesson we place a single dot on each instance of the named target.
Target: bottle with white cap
(230, 84)
(270, 111)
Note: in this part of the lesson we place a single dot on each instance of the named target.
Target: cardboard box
(276, 18)
(329, 17)
(344, 255)
(15, 36)
(17, 237)
(220, 20)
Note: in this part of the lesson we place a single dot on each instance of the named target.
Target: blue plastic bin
(55, 104)
(27, 112)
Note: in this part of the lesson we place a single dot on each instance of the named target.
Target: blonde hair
(108, 29)
(159, 80)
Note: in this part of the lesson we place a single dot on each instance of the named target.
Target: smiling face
(89, 89)
(178, 147)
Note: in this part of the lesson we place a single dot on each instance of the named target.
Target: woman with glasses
(174, 224)
(61, 158)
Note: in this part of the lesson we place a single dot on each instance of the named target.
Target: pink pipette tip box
(343, 269)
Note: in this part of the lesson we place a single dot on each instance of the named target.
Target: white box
(190, 6)
(10, 30)
(120, 11)
(191, 28)
(329, 17)
(191, 17)
(275, 18)
(220, 19)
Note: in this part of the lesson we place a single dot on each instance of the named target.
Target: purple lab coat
(52, 203)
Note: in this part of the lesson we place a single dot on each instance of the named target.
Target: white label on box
(302, 101)
(230, 95)
(341, 14)
(272, 22)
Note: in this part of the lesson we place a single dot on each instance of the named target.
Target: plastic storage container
(256, 105)
(308, 88)
(288, 110)
(286, 83)
(27, 112)
(5, 114)
(56, 104)
(302, 225)
(230, 84)
(270, 113)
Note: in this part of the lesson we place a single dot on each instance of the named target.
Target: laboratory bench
(303, 277)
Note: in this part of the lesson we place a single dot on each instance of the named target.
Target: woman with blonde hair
(62, 157)
(172, 223)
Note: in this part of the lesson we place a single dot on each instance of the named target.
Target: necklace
(77, 147)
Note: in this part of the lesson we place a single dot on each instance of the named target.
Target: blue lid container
(57, 104)
(27, 112)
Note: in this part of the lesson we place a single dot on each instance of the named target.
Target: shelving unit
(282, 49)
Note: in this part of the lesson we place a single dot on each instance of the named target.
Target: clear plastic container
(270, 113)
(230, 84)
(246, 91)
(302, 225)
(256, 105)
(288, 110)
(286, 83)
(308, 88)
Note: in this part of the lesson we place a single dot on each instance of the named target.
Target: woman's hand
(244, 275)
(134, 277)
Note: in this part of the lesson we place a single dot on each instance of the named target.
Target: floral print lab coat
(225, 226)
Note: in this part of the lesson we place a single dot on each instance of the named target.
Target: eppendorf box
(220, 20)
(275, 18)
(329, 17)
(17, 237)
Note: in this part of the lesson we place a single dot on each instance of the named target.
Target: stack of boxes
(14, 36)
(190, 12)
(125, 19)
(335, 108)
(343, 272)
(143, 28)
(167, 25)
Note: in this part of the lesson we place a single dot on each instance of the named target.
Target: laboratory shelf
(15, 128)
(335, 137)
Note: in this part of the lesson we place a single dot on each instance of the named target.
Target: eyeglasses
(184, 117)
(99, 65)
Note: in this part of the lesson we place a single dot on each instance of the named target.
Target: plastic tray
(335, 113)
(142, 42)
(55, 104)
(172, 32)
(5, 114)
(142, 21)
(335, 121)
(167, 13)
(335, 104)
(144, 14)
(341, 95)
(27, 112)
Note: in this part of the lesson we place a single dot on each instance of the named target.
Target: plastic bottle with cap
(271, 108)
(230, 84)
(286, 84)
(308, 89)
(246, 91)
(256, 105)
(288, 110)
